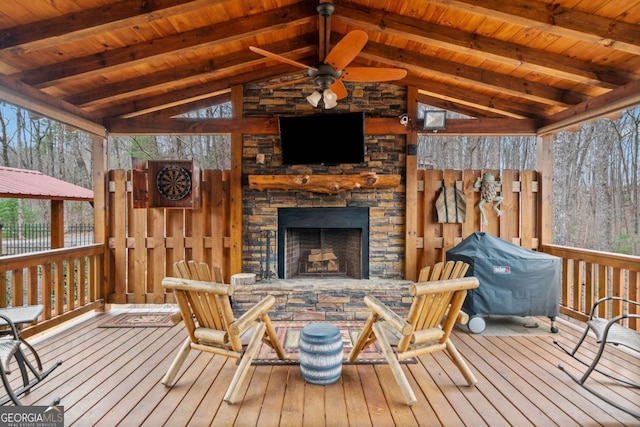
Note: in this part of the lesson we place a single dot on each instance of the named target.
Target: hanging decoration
(488, 190)
(451, 205)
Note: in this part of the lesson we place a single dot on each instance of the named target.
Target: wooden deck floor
(110, 377)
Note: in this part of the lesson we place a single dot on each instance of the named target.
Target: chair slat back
(443, 271)
(208, 303)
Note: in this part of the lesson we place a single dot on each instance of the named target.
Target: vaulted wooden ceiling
(105, 60)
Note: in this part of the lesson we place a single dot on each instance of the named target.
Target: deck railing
(589, 275)
(66, 281)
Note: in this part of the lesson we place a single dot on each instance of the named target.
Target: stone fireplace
(323, 242)
(380, 238)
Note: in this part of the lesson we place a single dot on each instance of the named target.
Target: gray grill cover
(514, 281)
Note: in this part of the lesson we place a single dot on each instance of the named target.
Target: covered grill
(513, 280)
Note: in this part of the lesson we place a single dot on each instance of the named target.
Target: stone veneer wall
(384, 154)
(319, 300)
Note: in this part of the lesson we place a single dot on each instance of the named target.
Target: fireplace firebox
(323, 242)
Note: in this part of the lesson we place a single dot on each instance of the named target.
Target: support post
(411, 191)
(235, 191)
(544, 165)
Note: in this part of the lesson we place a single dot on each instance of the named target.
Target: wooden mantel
(328, 184)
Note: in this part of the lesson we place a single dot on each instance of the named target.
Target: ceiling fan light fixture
(314, 98)
(329, 98)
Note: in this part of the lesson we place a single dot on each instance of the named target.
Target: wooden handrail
(588, 275)
(66, 281)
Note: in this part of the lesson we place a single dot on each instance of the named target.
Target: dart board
(173, 182)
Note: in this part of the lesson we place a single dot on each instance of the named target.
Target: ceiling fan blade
(338, 88)
(279, 58)
(287, 83)
(372, 74)
(346, 49)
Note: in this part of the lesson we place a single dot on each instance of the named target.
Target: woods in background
(596, 201)
(596, 188)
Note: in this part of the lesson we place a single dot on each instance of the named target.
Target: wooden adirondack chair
(205, 308)
(432, 315)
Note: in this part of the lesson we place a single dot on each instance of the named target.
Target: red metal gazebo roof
(28, 184)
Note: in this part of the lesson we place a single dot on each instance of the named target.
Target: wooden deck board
(111, 377)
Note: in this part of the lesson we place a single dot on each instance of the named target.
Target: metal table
(21, 316)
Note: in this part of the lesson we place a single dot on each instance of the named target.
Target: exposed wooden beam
(179, 76)
(552, 18)
(149, 125)
(191, 107)
(439, 36)
(484, 127)
(79, 25)
(192, 94)
(182, 43)
(451, 70)
(475, 100)
(617, 100)
(452, 105)
(21, 95)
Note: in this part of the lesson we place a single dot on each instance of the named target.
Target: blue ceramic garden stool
(320, 353)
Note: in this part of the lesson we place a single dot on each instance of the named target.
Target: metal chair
(427, 328)
(11, 347)
(607, 332)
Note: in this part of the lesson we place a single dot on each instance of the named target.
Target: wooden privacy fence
(518, 223)
(144, 243)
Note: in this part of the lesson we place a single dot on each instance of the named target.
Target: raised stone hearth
(323, 299)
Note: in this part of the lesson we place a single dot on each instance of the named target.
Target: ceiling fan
(332, 69)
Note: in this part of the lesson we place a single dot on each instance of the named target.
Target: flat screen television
(329, 139)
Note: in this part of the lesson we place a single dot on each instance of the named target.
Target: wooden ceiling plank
(558, 20)
(485, 47)
(85, 23)
(199, 38)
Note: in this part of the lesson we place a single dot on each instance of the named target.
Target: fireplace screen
(323, 252)
(323, 242)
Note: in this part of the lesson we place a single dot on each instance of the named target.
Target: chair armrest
(250, 316)
(595, 305)
(463, 318)
(389, 315)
